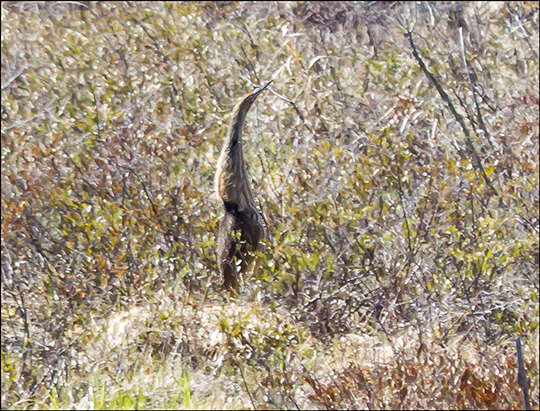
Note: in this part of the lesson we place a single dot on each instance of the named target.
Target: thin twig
(148, 195)
(251, 66)
(294, 107)
(473, 90)
(175, 100)
(14, 76)
(96, 118)
(43, 111)
(247, 388)
(457, 116)
(252, 43)
(402, 201)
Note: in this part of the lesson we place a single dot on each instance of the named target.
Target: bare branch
(13, 77)
(457, 116)
(522, 375)
(473, 90)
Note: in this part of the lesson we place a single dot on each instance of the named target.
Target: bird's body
(241, 228)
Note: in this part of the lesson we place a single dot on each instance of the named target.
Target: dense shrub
(399, 268)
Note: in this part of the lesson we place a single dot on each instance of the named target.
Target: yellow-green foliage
(392, 276)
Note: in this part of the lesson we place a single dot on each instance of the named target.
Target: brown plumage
(241, 228)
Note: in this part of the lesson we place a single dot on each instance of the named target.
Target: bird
(241, 228)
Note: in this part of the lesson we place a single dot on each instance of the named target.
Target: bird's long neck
(232, 184)
(234, 140)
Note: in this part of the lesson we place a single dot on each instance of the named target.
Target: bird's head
(247, 101)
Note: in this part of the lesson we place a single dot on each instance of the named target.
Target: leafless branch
(522, 375)
(457, 116)
(473, 90)
(13, 77)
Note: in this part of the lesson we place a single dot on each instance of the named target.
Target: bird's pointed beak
(250, 98)
(258, 90)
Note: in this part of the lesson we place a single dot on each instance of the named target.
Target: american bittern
(241, 228)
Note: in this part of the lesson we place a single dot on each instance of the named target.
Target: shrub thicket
(402, 260)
